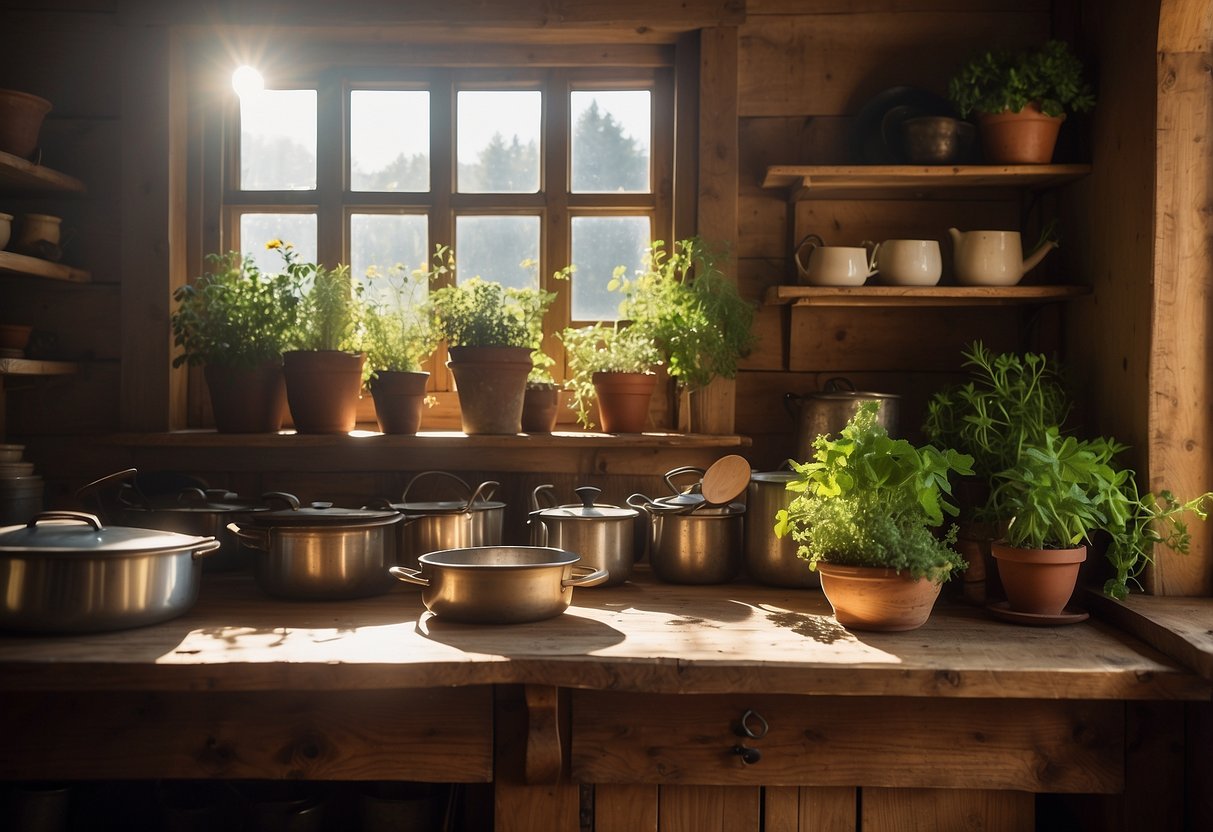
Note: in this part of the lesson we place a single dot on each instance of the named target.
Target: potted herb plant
(236, 321)
(1021, 99)
(541, 400)
(612, 364)
(324, 369)
(490, 331)
(864, 516)
(398, 336)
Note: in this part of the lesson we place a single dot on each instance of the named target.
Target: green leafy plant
(234, 315)
(1050, 76)
(483, 313)
(398, 332)
(1064, 490)
(604, 348)
(867, 499)
(540, 377)
(690, 309)
(1010, 402)
(330, 309)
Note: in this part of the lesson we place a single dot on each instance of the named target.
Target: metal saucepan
(603, 535)
(185, 509)
(693, 544)
(769, 559)
(829, 411)
(434, 525)
(321, 552)
(65, 572)
(498, 584)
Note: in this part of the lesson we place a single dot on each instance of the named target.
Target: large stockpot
(693, 543)
(770, 559)
(498, 584)
(321, 552)
(603, 535)
(829, 411)
(186, 510)
(435, 525)
(66, 572)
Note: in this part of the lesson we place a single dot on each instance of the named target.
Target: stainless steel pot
(498, 584)
(321, 552)
(829, 411)
(64, 571)
(603, 535)
(693, 542)
(435, 525)
(769, 559)
(186, 510)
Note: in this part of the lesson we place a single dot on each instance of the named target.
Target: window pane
(383, 241)
(278, 140)
(258, 229)
(610, 145)
(600, 245)
(389, 140)
(496, 248)
(498, 141)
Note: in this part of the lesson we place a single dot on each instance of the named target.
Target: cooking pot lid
(78, 532)
(773, 476)
(852, 395)
(319, 513)
(589, 512)
(197, 500)
(446, 506)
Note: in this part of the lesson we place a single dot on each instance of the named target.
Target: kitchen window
(522, 170)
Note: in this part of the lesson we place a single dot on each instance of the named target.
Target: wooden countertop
(644, 636)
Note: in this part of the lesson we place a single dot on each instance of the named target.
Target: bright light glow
(247, 81)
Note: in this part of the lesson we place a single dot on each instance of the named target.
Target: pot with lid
(320, 551)
(770, 559)
(828, 412)
(603, 535)
(695, 535)
(177, 505)
(470, 519)
(66, 572)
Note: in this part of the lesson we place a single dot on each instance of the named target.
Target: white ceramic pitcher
(834, 265)
(992, 258)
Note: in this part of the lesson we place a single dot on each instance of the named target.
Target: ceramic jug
(992, 258)
(834, 265)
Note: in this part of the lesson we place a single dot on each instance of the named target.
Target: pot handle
(483, 492)
(116, 477)
(207, 547)
(592, 577)
(79, 516)
(548, 497)
(535, 521)
(588, 494)
(409, 576)
(677, 472)
(839, 384)
(404, 498)
(792, 403)
(258, 539)
(291, 500)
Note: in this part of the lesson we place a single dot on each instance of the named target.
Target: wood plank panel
(709, 809)
(625, 808)
(1028, 745)
(442, 735)
(761, 7)
(518, 808)
(809, 809)
(926, 810)
(831, 64)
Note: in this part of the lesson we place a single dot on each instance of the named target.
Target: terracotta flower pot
(623, 400)
(399, 400)
(870, 598)
(1024, 138)
(1037, 581)
(322, 388)
(247, 399)
(21, 116)
(540, 407)
(491, 383)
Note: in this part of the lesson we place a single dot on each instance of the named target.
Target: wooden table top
(643, 636)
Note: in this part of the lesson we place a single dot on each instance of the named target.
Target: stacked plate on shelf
(21, 491)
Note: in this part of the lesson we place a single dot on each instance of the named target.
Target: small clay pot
(623, 400)
(21, 116)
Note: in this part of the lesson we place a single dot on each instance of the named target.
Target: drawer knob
(752, 725)
(749, 756)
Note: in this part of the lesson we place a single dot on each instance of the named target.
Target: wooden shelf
(885, 296)
(13, 263)
(20, 176)
(893, 181)
(35, 367)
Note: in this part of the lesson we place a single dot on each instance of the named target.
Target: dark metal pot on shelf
(429, 525)
(66, 572)
(828, 411)
(320, 551)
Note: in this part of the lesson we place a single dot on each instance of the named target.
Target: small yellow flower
(274, 244)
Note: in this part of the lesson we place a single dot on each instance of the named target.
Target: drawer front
(441, 735)
(1031, 745)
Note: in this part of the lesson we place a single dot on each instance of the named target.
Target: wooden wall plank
(625, 808)
(709, 809)
(926, 810)
(828, 810)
